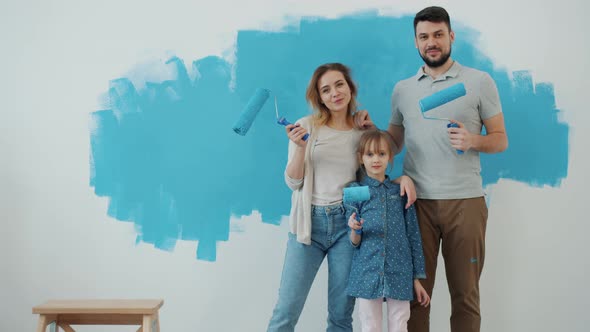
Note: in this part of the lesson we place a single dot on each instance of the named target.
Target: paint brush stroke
(165, 154)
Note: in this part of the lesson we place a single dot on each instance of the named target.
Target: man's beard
(436, 63)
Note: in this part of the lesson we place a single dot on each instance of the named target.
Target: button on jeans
(329, 236)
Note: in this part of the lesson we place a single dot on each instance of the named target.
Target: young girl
(388, 258)
(317, 170)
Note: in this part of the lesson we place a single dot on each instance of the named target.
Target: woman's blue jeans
(329, 237)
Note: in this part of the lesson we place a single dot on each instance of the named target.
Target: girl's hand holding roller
(356, 227)
(295, 133)
(355, 224)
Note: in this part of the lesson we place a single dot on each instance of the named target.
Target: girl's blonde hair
(375, 138)
(322, 114)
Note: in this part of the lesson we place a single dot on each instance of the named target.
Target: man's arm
(494, 141)
(490, 108)
(397, 133)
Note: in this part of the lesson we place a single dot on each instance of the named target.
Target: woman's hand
(363, 121)
(295, 133)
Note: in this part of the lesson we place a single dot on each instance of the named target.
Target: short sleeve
(489, 102)
(396, 116)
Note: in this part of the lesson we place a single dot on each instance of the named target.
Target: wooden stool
(64, 313)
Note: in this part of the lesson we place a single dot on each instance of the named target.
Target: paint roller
(440, 98)
(356, 194)
(249, 113)
(251, 110)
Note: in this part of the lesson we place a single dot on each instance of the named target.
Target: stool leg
(157, 323)
(42, 323)
(147, 323)
(45, 320)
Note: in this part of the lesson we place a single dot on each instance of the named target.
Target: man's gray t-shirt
(430, 160)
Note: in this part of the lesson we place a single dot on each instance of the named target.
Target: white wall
(57, 242)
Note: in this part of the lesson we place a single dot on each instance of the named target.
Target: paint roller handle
(284, 122)
(455, 125)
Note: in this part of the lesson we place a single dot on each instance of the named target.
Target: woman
(317, 170)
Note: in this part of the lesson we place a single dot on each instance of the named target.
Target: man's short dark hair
(432, 14)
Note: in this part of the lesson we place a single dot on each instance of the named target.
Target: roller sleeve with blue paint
(442, 97)
(249, 112)
(356, 194)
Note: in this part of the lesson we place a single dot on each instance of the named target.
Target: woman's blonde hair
(321, 113)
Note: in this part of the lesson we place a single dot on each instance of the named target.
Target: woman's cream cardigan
(300, 216)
